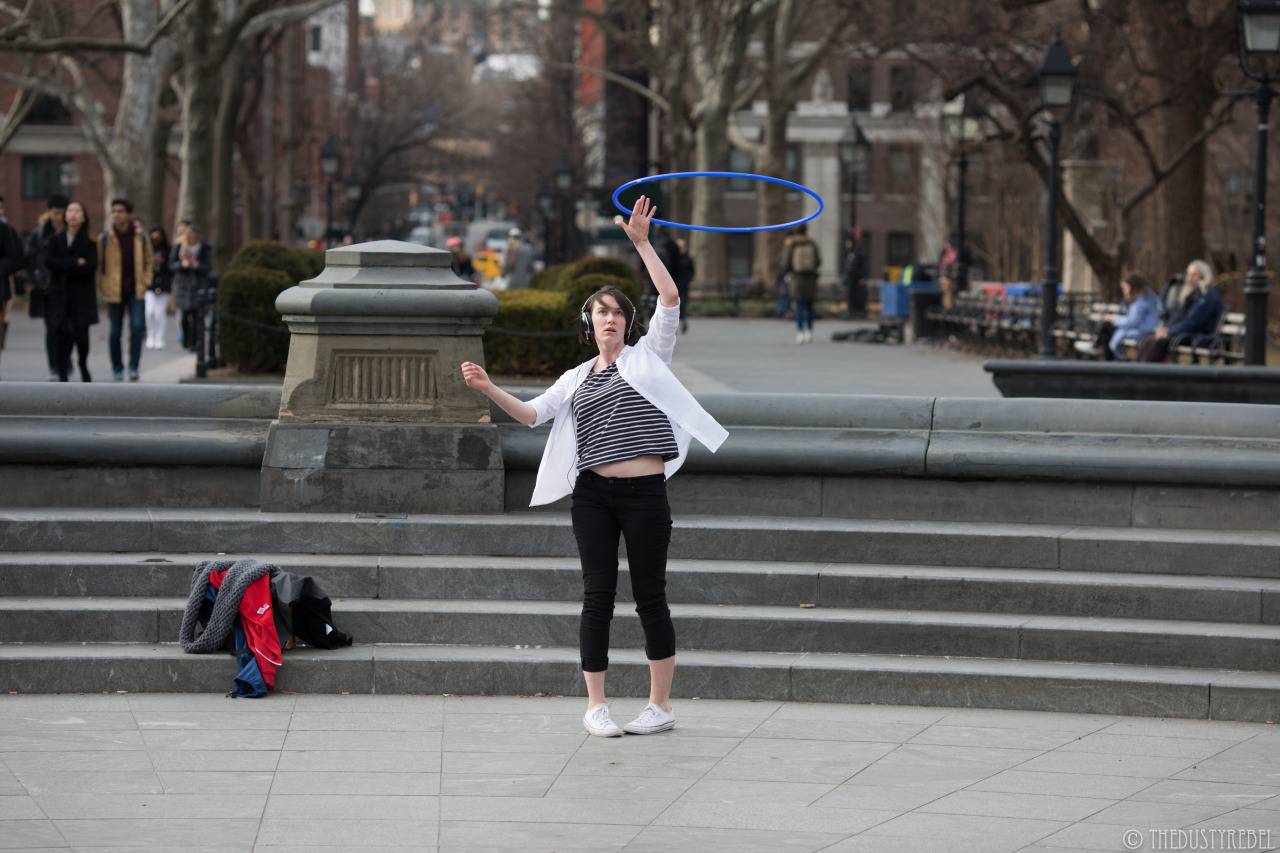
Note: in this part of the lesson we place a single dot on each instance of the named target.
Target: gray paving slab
(476, 773)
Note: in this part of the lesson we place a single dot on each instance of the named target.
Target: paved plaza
(461, 773)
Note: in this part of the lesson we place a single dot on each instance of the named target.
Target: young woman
(157, 298)
(191, 260)
(623, 424)
(71, 256)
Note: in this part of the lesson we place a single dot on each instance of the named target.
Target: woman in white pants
(157, 298)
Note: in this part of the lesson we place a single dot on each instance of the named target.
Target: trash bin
(893, 300)
(923, 297)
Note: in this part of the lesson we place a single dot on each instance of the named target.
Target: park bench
(1225, 345)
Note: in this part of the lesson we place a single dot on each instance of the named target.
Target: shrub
(251, 333)
(530, 311)
(274, 256)
(547, 279)
(594, 265)
(313, 258)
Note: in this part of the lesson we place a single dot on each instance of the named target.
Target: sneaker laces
(649, 715)
(600, 716)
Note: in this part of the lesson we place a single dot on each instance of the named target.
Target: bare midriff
(641, 466)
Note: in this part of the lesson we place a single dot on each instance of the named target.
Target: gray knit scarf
(240, 573)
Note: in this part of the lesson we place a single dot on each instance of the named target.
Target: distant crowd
(63, 268)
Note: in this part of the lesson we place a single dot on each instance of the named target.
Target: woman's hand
(475, 377)
(641, 215)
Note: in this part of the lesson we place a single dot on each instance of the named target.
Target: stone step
(751, 628)
(986, 590)
(851, 678)
(532, 534)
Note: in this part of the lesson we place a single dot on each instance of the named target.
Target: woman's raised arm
(638, 230)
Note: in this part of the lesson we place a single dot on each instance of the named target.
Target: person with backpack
(801, 258)
(125, 268)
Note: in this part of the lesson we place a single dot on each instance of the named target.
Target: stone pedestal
(374, 414)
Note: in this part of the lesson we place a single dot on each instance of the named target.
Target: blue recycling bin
(894, 299)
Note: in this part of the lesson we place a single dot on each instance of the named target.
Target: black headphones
(588, 331)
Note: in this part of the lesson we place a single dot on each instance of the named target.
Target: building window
(740, 161)
(48, 110)
(317, 36)
(900, 249)
(858, 87)
(793, 163)
(739, 248)
(43, 176)
(902, 170)
(902, 88)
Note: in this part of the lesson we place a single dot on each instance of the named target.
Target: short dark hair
(123, 202)
(628, 311)
(57, 200)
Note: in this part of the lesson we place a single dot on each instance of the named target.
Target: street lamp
(1259, 22)
(330, 164)
(1057, 77)
(853, 150)
(564, 182)
(962, 129)
(547, 207)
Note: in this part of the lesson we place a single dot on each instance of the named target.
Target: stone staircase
(1123, 620)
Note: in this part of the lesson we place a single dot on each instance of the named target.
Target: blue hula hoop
(793, 185)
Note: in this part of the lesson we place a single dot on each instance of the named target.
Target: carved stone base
(382, 468)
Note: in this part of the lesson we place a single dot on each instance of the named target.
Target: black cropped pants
(635, 508)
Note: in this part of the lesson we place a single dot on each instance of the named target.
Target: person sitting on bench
(1141, 316)
(1197, 319)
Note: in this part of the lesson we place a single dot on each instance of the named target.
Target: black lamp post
(1057, 77)
(1259, 22)
(962, 129)
(853, 150)
(354, 190)
(564, 183)
(330, 164)
(547, 207)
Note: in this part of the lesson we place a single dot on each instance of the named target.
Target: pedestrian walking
(51, 222)
(157, 298)
(12, 259)
(71, 308)
(683, 274)
(623, 425)
(191, 261)
(124, 275)
(801, 259)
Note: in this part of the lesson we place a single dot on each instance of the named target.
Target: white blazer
(645, 368)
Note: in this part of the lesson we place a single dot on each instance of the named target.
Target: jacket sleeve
(58, 256)
(663, 329)
(148, 269)
(549, 402)
(1200, 319)
(12, 256)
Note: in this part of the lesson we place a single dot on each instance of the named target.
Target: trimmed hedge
(247, 304)
(274, 256)
(544, 311)
(561, 277)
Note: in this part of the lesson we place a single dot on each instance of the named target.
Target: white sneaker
(652, 719)
(599, 724)
(808, 336)
(799, 337)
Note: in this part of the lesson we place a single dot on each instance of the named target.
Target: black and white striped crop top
(614, 423)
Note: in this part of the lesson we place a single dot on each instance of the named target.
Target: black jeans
(636, 508)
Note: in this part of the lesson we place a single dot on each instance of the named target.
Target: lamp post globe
(1056, 77)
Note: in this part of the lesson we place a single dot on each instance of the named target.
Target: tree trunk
(199, 110)
(223, 183)
(772, 206)
(708, 247)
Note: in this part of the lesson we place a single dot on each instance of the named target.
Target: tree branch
(92, 45)
(626, 82)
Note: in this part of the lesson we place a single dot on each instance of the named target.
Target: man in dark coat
(12, 259)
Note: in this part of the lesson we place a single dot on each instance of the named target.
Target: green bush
(593, 265)
(547, 279)
(544, 311)
(313, 258)
(251, 333)
(519, 355)
(275, 256)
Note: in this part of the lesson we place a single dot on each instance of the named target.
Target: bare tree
(70, 48)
